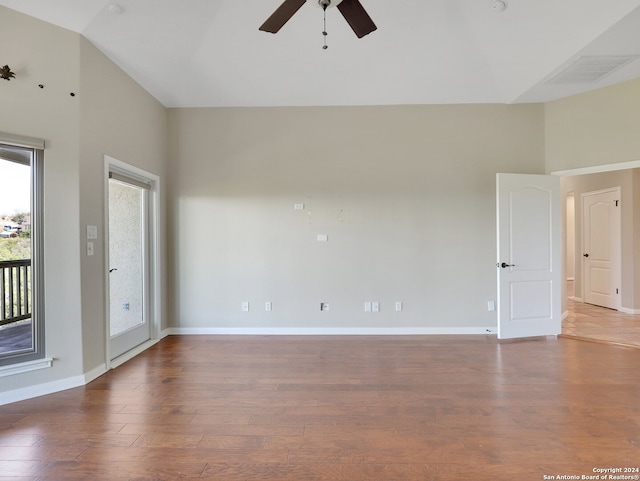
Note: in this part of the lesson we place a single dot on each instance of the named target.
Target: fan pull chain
(324, 32)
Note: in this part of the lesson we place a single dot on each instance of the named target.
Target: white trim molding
(21, 141)
(328, 331)
(41, 389)
(627, 310)
(95, 373)
(132, 353)
(27, 366)
(633, 164)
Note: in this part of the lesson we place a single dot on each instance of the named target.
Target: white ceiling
(200, 53)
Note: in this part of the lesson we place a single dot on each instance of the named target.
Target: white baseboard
(95, 373)
(51, 387)
(327, 331)
(132, 353)
(626, 310)
(577, 299)
(41, 389)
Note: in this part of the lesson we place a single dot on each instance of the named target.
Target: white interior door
(529, 260)
(129, 324)
(601, 247)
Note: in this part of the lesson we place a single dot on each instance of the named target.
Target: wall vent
(590, 68)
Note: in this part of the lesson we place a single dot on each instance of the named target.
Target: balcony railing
(15, 291)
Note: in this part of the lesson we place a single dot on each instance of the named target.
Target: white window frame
(11, 364)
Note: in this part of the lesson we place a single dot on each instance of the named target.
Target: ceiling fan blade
(358, 19)
(282, 15)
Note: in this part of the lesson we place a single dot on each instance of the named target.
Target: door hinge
(617, 291)
(617, 201)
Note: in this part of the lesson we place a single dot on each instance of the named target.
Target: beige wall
(594, 128)
(109, 114)
(42, 54)
(406, 196)
(121, 120)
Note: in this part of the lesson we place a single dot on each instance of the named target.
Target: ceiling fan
(353, 12)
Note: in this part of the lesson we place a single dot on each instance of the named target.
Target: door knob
(504, 265)
(585, 255)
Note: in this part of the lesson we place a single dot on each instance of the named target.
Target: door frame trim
(597, 169)
(112, 164)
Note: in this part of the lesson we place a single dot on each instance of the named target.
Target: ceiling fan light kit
(352, 11)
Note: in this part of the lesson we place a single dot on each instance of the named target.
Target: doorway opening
(617, 322)
(132, 261)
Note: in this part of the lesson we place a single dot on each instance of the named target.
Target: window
(21, 272)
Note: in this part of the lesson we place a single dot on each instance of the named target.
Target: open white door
(529, 267)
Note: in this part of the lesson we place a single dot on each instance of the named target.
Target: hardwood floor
(589, 322)
(337, 408)
(602, 325)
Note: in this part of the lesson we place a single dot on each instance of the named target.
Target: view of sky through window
(14, 188)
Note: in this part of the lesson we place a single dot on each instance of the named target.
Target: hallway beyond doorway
(593, 323)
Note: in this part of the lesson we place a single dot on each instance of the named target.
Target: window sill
(23, 367)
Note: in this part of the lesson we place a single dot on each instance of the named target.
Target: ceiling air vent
(590, 68)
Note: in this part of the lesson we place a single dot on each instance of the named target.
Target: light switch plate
(92, 232)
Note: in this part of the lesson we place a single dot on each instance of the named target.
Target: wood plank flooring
(595, 323)
(337, 408)
(589, 322)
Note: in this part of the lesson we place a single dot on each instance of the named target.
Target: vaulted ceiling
(203, 53)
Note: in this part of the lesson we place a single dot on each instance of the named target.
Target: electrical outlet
(245, 306)
(324, 306)
(375, 306)
(398, 306)
(267, 306)
(125, 306)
